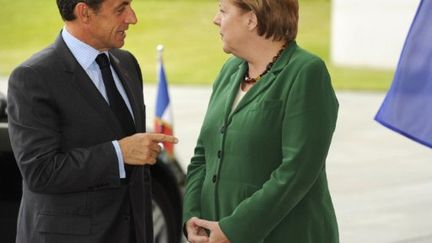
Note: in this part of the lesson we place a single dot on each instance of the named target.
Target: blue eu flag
(407, 107)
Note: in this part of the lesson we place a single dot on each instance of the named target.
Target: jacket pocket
(265, 105)
(63, 224)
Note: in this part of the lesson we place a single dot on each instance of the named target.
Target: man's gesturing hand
(143, 148)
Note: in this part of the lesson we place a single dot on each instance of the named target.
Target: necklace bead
(249, 80)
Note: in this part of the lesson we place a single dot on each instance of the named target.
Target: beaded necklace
(248, 80)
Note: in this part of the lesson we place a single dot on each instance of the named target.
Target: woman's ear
(252, 20)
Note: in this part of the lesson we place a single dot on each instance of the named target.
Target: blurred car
(168, 183)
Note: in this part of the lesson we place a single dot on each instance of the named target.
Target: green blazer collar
(237, 77)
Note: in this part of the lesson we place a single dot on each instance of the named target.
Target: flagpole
(159, 49)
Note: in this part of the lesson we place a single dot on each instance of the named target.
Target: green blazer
(260, 169)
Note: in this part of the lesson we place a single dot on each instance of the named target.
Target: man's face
(109, 23)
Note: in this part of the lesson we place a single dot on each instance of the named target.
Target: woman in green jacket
(258, 172)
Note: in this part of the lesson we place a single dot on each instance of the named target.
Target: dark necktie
(116, 101)
(118, 106)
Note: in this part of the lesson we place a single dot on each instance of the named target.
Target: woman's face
(233, 26)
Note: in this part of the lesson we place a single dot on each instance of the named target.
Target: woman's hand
(196, 234)
(216, 234)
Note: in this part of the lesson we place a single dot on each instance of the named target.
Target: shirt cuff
(122, 171)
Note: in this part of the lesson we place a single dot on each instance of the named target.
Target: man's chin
(119, 44)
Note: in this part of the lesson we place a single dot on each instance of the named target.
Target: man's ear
(252, 20)
(82, 12)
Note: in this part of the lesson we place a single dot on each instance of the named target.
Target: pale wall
(370, 33)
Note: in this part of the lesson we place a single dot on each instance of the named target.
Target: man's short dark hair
(66, 7)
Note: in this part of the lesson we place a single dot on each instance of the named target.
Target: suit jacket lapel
(265, 82)
(234, 82)
(257, 89)
(125, 78)
(79, 79)
(236, 79)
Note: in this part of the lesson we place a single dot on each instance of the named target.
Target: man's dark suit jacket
(61, 131)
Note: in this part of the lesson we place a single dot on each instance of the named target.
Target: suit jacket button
(214, 179)
(219, 154)
(222, 129)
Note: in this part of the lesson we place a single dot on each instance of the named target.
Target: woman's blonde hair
(277, 19)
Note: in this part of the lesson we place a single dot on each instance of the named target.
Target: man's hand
(143, 148)
(195, 233)
(216, 234)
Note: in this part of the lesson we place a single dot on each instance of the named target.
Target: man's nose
(131, 17)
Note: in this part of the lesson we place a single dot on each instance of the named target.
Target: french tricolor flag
(163, 119)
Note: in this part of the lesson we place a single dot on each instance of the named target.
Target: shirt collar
(83, 53)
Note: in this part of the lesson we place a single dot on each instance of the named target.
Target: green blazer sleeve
(308, 125)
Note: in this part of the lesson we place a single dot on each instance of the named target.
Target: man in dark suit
(77, 128)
